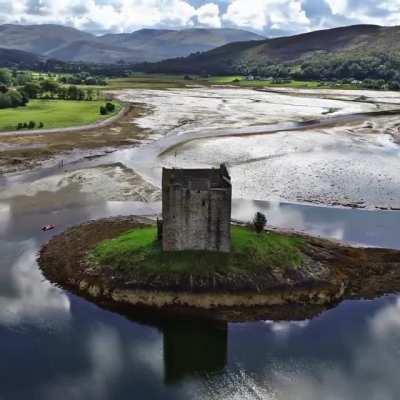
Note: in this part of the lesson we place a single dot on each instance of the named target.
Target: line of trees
(83, 78)
(18, 87)
(370, 71)
(51, 89)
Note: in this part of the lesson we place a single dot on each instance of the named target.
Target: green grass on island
(54, 114)
(137, 253)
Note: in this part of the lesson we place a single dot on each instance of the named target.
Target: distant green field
(54, 114)
(158, 81)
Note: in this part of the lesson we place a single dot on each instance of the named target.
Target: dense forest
(373, 70)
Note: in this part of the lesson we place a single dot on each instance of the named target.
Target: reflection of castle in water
(192, 348)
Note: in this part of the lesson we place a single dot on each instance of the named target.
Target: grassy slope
(53, 113)
(137, 253)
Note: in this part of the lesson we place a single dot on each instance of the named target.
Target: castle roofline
(195, 178)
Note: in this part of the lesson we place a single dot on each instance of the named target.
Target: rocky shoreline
(344, 273)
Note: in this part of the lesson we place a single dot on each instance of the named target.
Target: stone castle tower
(196, 209)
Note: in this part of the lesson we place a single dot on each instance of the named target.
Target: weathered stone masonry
(196, 209)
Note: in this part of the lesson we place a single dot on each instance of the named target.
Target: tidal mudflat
(349, 163)
(322, 147)
(192, 110)
(330, 166)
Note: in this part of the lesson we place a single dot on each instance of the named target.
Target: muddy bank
(332, 273)
(24, 152)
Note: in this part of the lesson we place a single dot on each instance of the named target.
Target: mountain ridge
(231, 57)
(145, 45)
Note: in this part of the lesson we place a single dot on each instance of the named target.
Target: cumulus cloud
(117, 15)
(273, 17)
(282, 15)
(209, 15)
(384, 12)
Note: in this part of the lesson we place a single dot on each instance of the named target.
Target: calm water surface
(55, 345)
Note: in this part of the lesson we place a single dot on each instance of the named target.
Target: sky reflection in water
(57, 345)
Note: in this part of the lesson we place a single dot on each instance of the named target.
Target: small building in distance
(196, 209)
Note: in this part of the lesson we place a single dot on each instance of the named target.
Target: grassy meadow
(54, 114)
(138, 252)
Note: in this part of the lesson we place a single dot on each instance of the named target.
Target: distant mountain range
(146, 45)
(346, 41)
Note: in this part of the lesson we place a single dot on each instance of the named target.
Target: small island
(195, 262)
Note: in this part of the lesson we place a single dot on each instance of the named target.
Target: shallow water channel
(55, 345)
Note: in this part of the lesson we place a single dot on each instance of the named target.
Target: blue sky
(269, 17)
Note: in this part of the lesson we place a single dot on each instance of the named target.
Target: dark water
(55, 345)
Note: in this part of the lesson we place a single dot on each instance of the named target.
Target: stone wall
(196, 210)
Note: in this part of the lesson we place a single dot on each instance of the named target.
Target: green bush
(31, 125)
(110, 107)
(259, 222)
(5, 101)
(103, 110)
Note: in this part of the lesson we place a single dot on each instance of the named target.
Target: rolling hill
(154, 45)
(69, 44)
(10, 58)
(39, 39)
(363, 39)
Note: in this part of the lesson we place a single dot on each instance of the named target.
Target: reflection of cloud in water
(283, 328)
(105, 356)
(33, 299)
(369, 372)
(151, 356)
(113, 364)
(287, 216)
(5, 216)
(387, 321)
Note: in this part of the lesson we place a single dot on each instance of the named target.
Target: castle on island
(196, 209)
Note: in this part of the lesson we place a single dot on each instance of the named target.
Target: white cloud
(267, 14)
(34, 299)
(381, 12)
(208, 15)
(120, 15)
